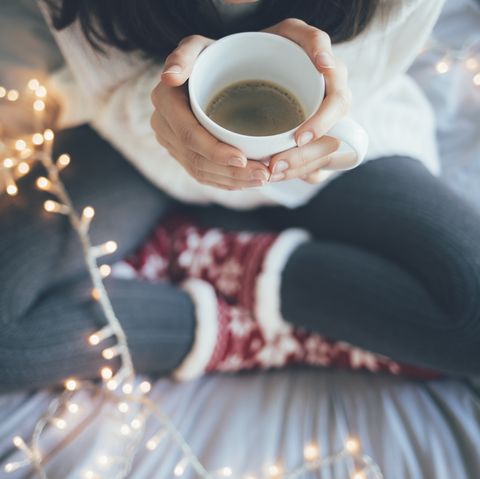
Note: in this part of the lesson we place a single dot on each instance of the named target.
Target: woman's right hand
(207, 159)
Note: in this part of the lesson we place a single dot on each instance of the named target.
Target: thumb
(179, 64)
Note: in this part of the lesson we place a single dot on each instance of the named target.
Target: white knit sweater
(113, 93)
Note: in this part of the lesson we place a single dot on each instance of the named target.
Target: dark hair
(155, 27)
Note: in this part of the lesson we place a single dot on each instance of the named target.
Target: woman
(386, 259)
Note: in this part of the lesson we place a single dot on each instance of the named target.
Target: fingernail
(173, 69)
(257, 183)
(325, 60)
(305, 138)
(277, 177)
(282, 165)
(259, 175)
(237, 161)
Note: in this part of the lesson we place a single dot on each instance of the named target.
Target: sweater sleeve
(112, 90)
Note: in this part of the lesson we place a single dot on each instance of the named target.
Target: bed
(413, 430)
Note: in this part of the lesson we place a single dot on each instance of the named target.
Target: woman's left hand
(314, 150)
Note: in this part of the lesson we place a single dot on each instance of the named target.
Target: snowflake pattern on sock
(231, 262)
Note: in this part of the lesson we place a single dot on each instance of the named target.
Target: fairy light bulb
(53, 207)
(359, 475)
(73, 408)
(127, 388)
(39, 105)
(352, 445)
(476, 79)
(12, 466)
(20, 145)
(106, 373)
(112, 352)
(43, 183)
(443, 66)
(106, 248)
(48, 135)
(225, 472)
(123, 407)
(180, 467)
(151, 445)
(59, 423)
(88, 212)
(12, 189)
(13, 95)
(37, 139)
(99, 336)
(71, 384)
(311, 452)
(49, 206)
(26, 153)
(8, 163)
(104, 460)
(274, 470)
(18, 442)
(63, 161)
(23, 168)
(154, 441)
(136, 423)
(105, 270)
(33, 84)
(95, 294)
(108, 353)
(125, 430)
(112, 385)
(145, 387)
(471, 63)
(110, 247)
(3, 92)
(89, 475)
(41, 91)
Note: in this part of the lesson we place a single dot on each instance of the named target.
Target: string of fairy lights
(122, 388)
(467, 55)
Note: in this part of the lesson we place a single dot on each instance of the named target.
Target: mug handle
(353, 137)
(293, 193)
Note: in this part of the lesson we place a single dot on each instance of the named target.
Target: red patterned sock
(234, 281)
(229, 339)
(243, 267)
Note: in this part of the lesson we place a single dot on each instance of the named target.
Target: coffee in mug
(256, 108)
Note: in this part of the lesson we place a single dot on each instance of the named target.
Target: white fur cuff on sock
(206, 330)
(267, 289)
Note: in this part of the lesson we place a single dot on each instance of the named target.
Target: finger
(315, 42)
(337, 162)
(161, 128)
(318, 46)
(342, 161)
(317, 177)
(179, 64)
(205, 177)
(253, 171)
(195, 137)
(301, 161)
(335, 105)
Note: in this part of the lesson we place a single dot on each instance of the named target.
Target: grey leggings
(394, 267)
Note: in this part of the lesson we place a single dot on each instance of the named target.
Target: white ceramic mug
(270, 57)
